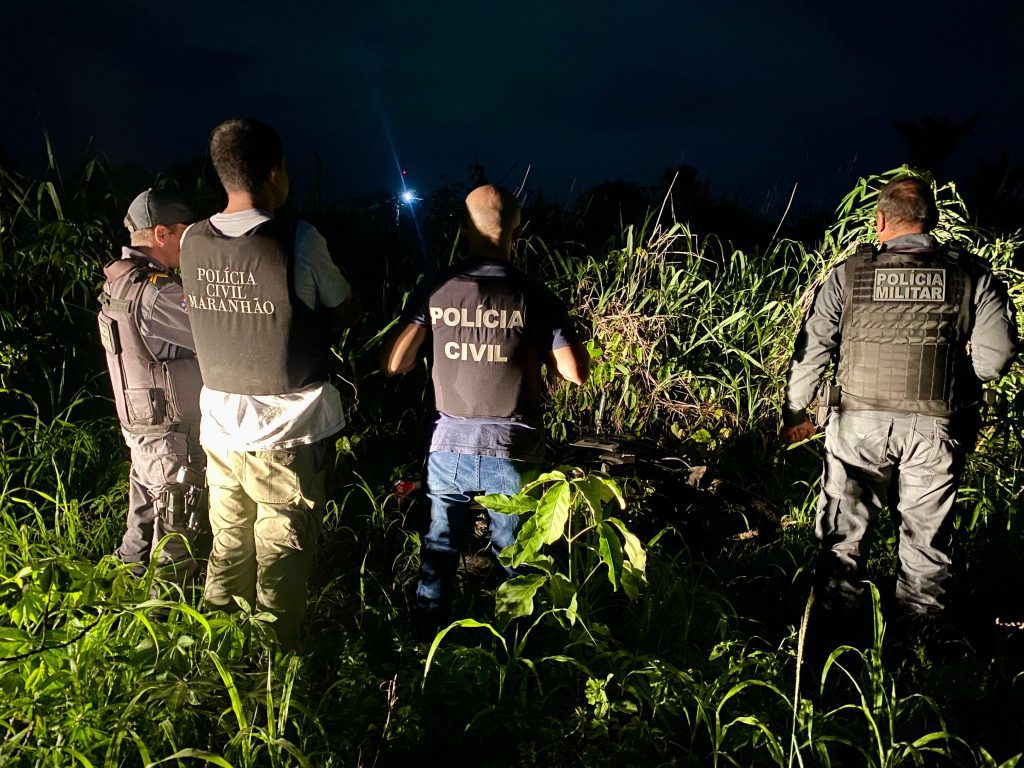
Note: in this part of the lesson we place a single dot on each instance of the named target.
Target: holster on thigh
(183, 508)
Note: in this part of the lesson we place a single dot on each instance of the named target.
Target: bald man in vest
(491, 328)
(916, 327)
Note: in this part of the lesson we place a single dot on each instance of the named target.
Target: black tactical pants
(156, 460)
(911, 463)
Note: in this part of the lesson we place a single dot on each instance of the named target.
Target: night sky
(756, 96)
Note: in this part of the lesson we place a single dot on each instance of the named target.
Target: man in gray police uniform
(916, 326)
(144, 328)
(265, 298)
(491, 328)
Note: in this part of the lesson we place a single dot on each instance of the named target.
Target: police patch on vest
(910, 284)
(481, 317)
(229, 290)
(464, 317)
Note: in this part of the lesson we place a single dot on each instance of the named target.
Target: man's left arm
(164, 312)
(557, 333)
(400, 350)
(994, 337)
(320, 284)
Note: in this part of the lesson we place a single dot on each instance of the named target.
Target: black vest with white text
(905, 325)
(253, 335)
(486, 364)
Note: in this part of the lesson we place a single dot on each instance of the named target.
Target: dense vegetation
(655, 628)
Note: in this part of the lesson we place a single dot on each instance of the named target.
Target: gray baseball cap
(157, 206)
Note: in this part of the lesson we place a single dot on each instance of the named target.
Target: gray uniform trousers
(156, 459)
(908, 461)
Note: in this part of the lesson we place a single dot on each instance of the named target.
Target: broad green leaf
(13, 635)
(514, 598)
(539, 560)
(563, 595)
(610, 549)
(562, 591)
(632, 581)
(545, 526)
(609, 489)
(242, 603)
(526, 547)
(507, 505)
(634, 548)
(594, 493)
(547, 477)
(553, 512)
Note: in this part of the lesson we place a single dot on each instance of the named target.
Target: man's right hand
(794, 434)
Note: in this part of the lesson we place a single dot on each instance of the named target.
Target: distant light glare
(408, 196)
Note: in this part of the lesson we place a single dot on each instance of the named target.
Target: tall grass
(610, 650)
(691, 339)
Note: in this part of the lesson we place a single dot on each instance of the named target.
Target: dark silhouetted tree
(933, 140)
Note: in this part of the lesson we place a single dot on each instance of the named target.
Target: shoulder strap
(291, 229)
(119, 270)
(864, 255)
(129, 298)
(866, 252)
(285, 230)
(958, 259)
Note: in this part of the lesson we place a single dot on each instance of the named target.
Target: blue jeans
(453, 479)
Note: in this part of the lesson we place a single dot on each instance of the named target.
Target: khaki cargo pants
(266, 509)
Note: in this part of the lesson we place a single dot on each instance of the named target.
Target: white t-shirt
(233, 422)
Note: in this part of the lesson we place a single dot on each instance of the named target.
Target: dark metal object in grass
(705, 508)
(698, 486)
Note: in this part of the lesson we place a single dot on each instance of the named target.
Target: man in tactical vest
(144, 329)
(265, 300)
(491, 328)
(915, 327)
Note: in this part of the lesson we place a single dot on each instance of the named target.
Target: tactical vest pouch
(172, 507)
(182, 384)
(146, 407)
(833, 395)
(108, 335)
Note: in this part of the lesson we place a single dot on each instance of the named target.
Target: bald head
(492, 215)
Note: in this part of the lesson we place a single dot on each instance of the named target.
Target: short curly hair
(244, 151)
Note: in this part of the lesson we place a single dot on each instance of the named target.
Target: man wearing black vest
(265, 299)
(145, 333)
(915, 328)
(491, 329)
